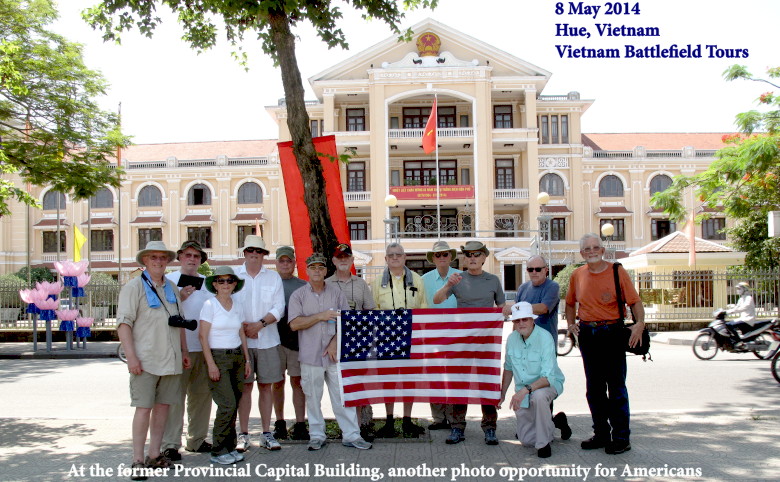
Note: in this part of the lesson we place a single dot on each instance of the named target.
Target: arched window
(611, 186)
(50, 200)
(199, 195)
(250, 193)
(552, 184)
(102, 199)
(149, 196)
(660, 183)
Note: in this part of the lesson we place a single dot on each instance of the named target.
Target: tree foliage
(744, 179)
(272, 22)
(52, 131)
(37, 274)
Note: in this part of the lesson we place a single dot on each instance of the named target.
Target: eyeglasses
(223, 281)
(255, 250)
(588, 250)
(473, 254)
(395, 255)
(531, 270)
(444, 254)
(317, 267)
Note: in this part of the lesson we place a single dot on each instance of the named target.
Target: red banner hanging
(299, 213)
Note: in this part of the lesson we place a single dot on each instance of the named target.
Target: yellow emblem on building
(428, 44)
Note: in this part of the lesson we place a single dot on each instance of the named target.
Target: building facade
(501, 142)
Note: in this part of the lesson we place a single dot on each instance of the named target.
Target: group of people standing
(256, 324)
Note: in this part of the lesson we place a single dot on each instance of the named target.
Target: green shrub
(37, 274)
(10, 284)
(564, 276)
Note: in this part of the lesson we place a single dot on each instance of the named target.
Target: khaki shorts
(266, 366)
(289, 361)
(147, 390)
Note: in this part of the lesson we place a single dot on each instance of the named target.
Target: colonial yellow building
(501, 142)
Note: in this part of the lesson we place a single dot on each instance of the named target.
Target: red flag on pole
(429, 134)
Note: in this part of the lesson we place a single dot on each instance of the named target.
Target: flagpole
(119, 203)
(438, 173)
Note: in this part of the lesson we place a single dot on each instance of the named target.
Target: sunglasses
(445, 254)
(223, 281)
(473, 254)
(395, 255)
(531, 270)
(255, 250)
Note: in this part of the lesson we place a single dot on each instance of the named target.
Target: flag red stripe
(448, 400)
(452, 340)
(483, 355)
(429, 385)
(456, 325)
(485, 312)
(413, 370)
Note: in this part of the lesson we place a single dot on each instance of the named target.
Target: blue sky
(171, 94)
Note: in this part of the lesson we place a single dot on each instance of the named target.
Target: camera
(179, 322)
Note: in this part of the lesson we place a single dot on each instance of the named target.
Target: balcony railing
(248, 161)
(441, 132)
(357, 196)
(510, 193)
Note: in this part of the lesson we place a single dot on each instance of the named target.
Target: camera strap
(154, 290)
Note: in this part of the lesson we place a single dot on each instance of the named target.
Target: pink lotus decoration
(67, 315)
(27, 296)
(49, 288)
(69, 268)
(47, 304)
(83, 279)
(83, 322)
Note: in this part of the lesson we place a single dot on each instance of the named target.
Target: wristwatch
(528, 387)
(264, 323)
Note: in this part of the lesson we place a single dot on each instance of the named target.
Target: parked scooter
(761, 340)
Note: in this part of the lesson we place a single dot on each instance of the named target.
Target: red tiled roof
(99, 222)
(655, 140)
(614, 210)
(198, 218)
(51, 222)
(199, 150)
(555, 209)
(678, 242)
(147, 220)
(248, 217)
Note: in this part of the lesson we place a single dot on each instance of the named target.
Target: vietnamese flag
(429, 134)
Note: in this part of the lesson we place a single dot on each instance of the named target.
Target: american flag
(423, 355)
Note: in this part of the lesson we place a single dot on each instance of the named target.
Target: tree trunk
(323, 237)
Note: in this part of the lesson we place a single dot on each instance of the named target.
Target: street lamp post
(607, 230)
(391, 224)
(544, 226)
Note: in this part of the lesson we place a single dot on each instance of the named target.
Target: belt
(228, 351)
(600, 323)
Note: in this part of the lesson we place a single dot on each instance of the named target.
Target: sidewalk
(107, 349)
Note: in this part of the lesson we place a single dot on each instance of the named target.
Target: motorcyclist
(746, 308)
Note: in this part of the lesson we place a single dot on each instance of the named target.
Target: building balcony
(441, 133)
(357, 196)
(510, 193)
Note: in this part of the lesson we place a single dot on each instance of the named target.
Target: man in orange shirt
(602, 343)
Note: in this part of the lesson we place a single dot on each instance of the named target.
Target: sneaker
(269, 442)
(138, 471)
(544, 452)
(203, 448)
(316, 444)
(159, 462)
(594, 443)
(280, 430)
(562, 423)
(388, 431)
(224, 459)
(300, 432)
(617, 447)
(237, 456)
(172, 454)
(411, 429)
(358, 443)
(244, 442)
(456, 436)
(490, 436)
(445, 425)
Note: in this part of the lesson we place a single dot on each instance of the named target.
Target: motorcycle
(763, 340)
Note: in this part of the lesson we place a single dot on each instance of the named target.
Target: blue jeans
(604, 360)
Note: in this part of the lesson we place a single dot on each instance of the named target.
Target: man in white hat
(537, 383)
(195, 380)
(441, 256)
(263, 301)
(746, 308)
(156, 352)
